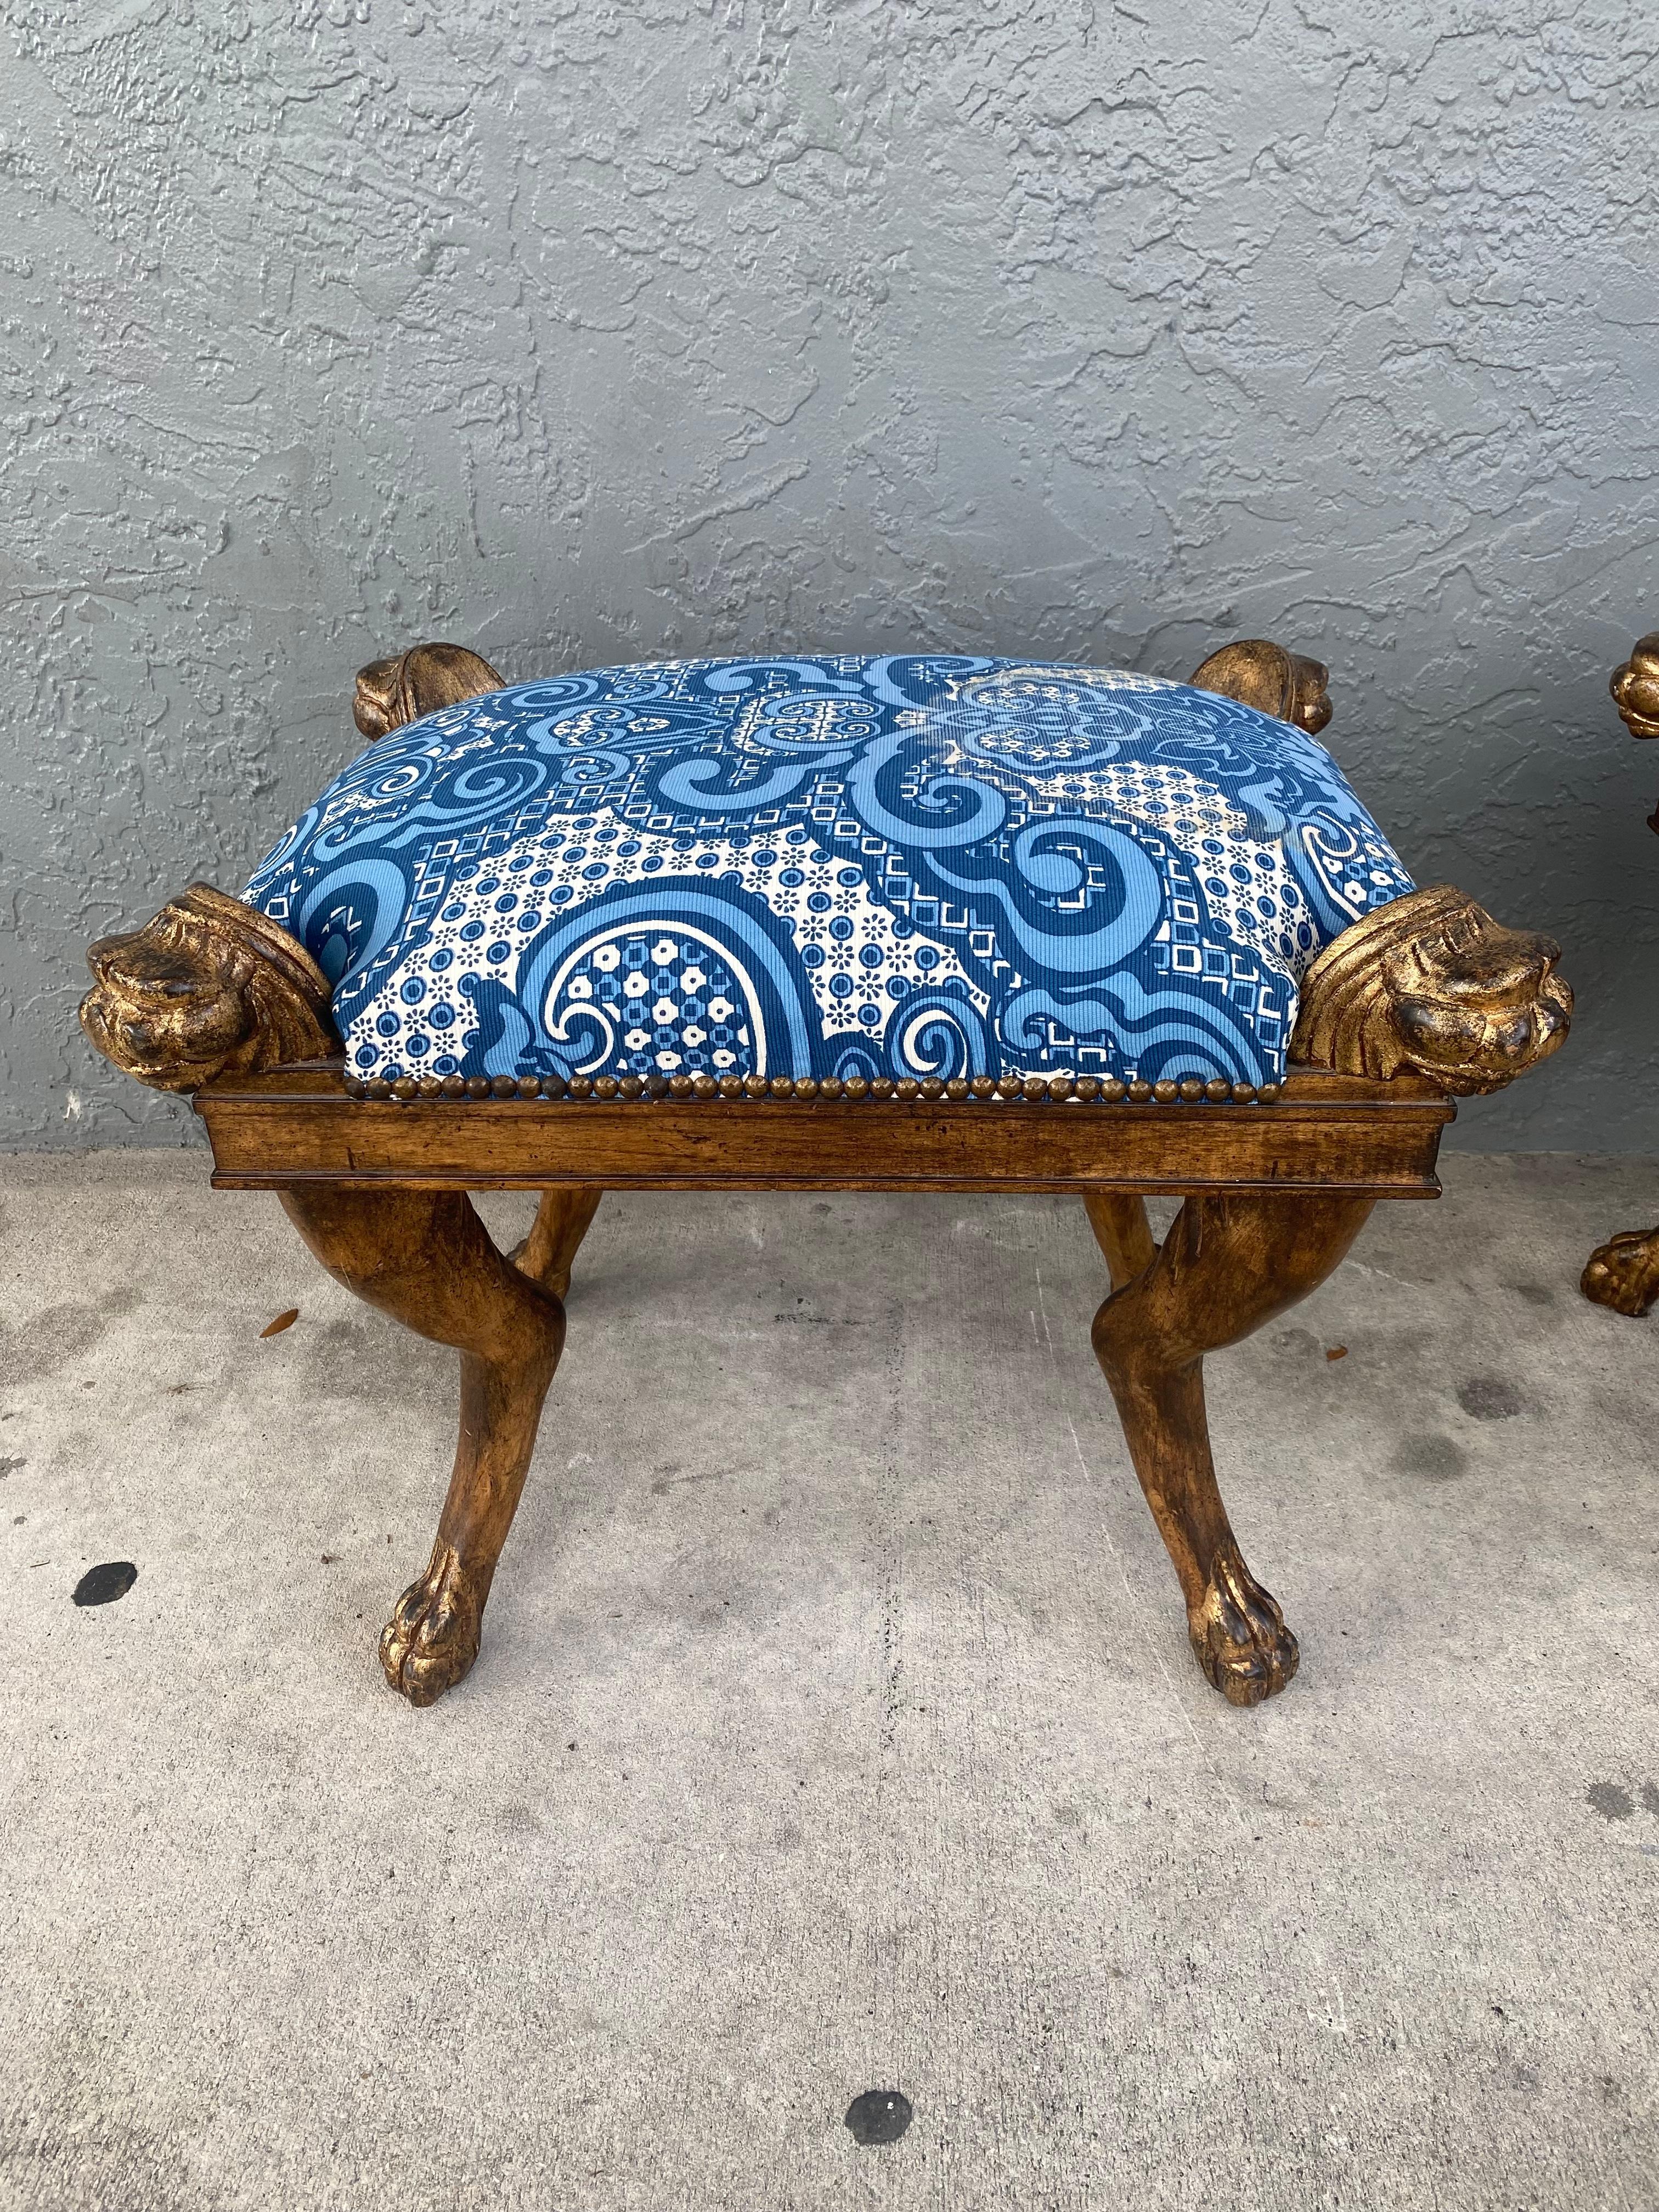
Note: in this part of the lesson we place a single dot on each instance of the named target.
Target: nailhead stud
(907, 1087)
(932, 1086)
(553, 1086)
(529, 1086)
(1268, 1093)
(806, 1087)
(1216, 1091)
(504, 1086)
(1166, 1092)
(703, 1085)
(605, 1086)
(830, 1087)
(581, 1086)
(882, 1087)
(855, 1087)
(1139, 1092)
(405, 1088)
(1243, 1094)
(956, 1088)
(755, 1085)
(453, 1086)
(1011, 1086)
(1191, 1090)
(783, 1087)
(630, 1086)
(1113, 1090)
(731, 1086)
(1062, 1087)
(352, 1086)
(984, 1086)
(1087, 1088)
(680, 1085)
(377, 1087)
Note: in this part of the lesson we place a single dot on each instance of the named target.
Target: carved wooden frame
(1424, 1000)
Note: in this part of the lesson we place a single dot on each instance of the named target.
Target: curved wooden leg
(562, 1219)
(1122, 1232)
(1227, 1265)
(1624, 1272)
(425, 1258)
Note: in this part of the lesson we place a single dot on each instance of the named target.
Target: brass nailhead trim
(1032, 1090)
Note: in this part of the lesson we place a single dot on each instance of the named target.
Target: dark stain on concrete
(1535, 1294)
(1650, 1797)
(1490, 1398)
(48, 1341)
(10, 1466)
(1610, 1801)
(1436, 1458)
(103, 1585)
(879, 2116)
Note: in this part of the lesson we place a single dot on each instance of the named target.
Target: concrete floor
(834, 1728)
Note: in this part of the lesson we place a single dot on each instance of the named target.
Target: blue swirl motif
(822, 865)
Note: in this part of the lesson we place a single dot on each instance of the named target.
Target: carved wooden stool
(1624, 1272)
(921, 923)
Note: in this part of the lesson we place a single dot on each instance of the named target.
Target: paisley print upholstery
(918, 864)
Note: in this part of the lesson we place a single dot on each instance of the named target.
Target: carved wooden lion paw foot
(1239, 1636)
(1624, 1272)
(432, 1638)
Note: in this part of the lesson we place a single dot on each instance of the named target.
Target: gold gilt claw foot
(432, 1638)
(1624, 1272)
(1239, 1636)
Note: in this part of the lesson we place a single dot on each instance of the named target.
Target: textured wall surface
(575, 331)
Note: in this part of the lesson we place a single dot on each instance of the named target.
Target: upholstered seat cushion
(920, 864)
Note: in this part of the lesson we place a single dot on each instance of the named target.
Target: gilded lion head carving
(390, 693)
(208, 986)
(1635, 688)
(1260, 674)
(1432, 982)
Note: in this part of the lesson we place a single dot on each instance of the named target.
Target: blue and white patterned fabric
(922, 864)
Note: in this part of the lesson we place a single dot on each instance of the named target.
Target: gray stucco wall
(575, 331)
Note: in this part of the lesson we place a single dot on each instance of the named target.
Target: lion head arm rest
(211, 986)
(208, 986)
(1260, 674)
(1431, 983)
(1635, 687)
(392, 692)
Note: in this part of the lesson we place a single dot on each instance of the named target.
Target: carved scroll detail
(1260, 674)
(1432, 982)
(208, 986)
(391, 692)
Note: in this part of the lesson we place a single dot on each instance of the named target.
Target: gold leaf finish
(208, 986)
(391, 692)
(1432, 982)
(1259, 673)
(1635, 687)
